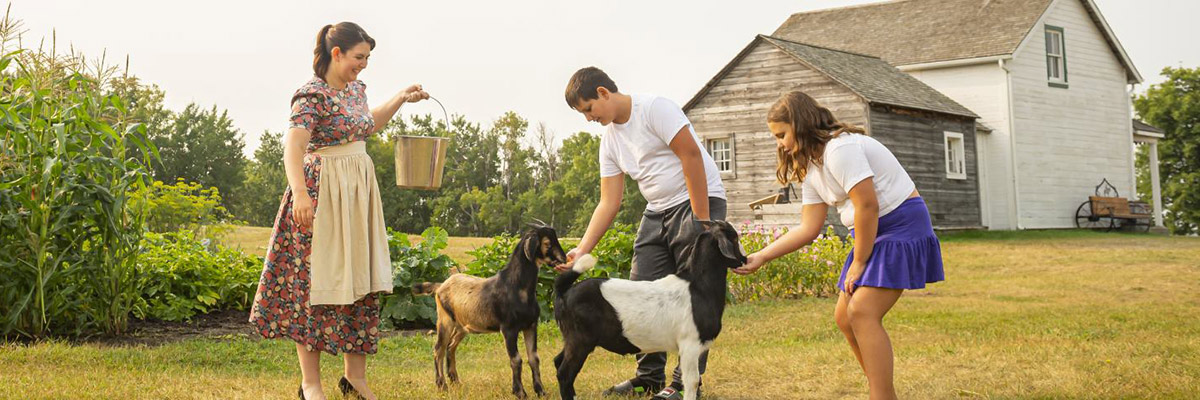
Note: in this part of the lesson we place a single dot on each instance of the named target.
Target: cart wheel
(1084, 219)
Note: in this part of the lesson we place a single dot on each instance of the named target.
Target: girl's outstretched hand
(753, 263)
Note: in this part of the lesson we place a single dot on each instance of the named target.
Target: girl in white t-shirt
(894, 244)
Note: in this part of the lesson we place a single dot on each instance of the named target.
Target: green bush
(810, 271)
(181, 276)
(614, 255)
(181, 206)
(412, 264)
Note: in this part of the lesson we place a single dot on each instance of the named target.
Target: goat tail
(565, 280)
(426, 287)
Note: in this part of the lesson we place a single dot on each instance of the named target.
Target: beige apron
(349, 257)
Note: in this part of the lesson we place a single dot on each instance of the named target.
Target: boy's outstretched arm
(693, 170)
(612, 188)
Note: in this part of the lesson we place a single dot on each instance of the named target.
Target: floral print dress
(281, 307)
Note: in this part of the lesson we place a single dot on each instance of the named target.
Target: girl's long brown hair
(812, 126)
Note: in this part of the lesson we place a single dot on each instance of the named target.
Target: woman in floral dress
(328, 260)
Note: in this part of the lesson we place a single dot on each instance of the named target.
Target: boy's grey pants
(659, 245)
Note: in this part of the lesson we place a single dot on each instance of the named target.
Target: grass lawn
(1021, 315)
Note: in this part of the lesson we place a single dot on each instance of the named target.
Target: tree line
(498, 176)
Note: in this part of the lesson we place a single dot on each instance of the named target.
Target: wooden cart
(1107, 210)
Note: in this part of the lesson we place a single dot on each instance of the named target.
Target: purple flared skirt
(907, 254)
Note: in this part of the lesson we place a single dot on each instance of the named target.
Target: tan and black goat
(505, 303)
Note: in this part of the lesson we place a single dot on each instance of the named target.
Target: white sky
(480, 58)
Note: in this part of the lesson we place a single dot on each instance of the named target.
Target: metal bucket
(419, 161)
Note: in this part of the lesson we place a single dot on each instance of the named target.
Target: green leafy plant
(183, 206)
(614, 255)
(810, 271)
(412, 264)
(181, 276)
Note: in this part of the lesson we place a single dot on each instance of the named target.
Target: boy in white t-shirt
(650, 139)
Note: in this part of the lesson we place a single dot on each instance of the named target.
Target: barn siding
(917, 139)
(736, 106)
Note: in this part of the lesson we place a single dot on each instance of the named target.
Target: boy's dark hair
(583, 84)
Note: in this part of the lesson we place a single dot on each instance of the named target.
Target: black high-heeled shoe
(348, 390)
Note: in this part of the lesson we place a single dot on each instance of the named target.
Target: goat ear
(730, 248)
(530, 245)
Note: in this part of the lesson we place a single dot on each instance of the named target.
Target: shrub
(614, 255)
(411, 264)
(181, 276)
(810, 271)
(181, 206)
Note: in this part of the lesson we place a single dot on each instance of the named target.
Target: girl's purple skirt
(907, 254)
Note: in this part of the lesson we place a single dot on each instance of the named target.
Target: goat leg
(535, 363)
(439, 356)
(570, 362)
(456, 338)
(689, 364)
(514, 361)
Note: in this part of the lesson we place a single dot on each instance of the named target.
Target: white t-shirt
(849, 158)
(641, 147)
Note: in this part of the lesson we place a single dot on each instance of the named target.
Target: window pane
(722, 154)
(955, 157)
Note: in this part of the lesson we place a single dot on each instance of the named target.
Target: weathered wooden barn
(931, 135)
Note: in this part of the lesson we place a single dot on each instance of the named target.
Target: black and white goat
(679, 313)
(505, 302)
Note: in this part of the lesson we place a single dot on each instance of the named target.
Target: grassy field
(1021, 315)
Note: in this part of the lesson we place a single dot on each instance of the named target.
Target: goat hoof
(441, 384)
(540, 392)
(520, 394)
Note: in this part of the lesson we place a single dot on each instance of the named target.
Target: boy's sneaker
(673, 392)
(633, 387)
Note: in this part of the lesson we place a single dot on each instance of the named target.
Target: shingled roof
(907, 32)
(871, 78)
(1140, 125)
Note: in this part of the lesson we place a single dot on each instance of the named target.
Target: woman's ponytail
(322, 54)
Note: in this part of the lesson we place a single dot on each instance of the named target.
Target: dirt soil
(219, 325)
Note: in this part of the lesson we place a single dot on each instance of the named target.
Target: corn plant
(68, 157)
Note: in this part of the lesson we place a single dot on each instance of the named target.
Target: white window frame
(956, 155)
(1056, 56)
(731, 154)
